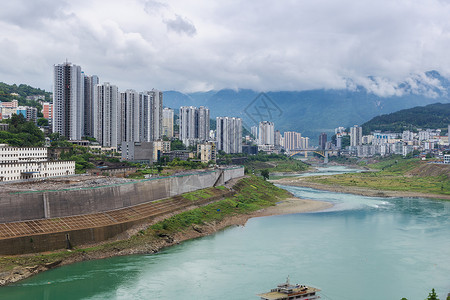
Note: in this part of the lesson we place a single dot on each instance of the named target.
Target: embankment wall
(48, 241)
(53, 204)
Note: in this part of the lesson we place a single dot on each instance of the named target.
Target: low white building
(18, 163)
(446, 158)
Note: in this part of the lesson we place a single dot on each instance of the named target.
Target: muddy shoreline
(287, 206)
(302, 182)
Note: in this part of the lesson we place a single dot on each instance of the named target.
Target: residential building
(159, 148)
(355, 136)
(266, 133)
(229, 134)
(407, 135)
(194, 124)
(168, 115)
(7, 112)
(179, 154)
(278, 138)
(138, 151)
(304, 142)
(446, 158)
(30, 163)
(292, 140)
(339, 141)
(13, 104)
(47, 110)
(207, 152)
(36, 97)
(323, 140)
(151, 115)
(254, 132)
(367, 139)
(68, 99)
(90, 83)
(130, 116)
(203, 123)
(29, 113)
(106, 112)
(188, 124)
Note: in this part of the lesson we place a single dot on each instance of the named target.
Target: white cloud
(263, 45)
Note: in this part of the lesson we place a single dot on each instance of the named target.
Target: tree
(42, 122)
(432, 295)
(265, 174)
(22, 133)
(177, 145)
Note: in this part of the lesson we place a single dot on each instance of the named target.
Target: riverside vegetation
(251, 194)
(396, 174)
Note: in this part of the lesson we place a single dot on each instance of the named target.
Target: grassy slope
(394, 175)
(252, 194)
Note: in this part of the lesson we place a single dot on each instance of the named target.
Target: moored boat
(287, 291)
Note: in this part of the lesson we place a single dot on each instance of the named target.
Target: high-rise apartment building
(151, 115)
(107, 115)
(90, 83)
(194, 124)
(229, 134)
(278, 138)
(304, 142)
(68, 99)
(355, 136)
(130, 115)
(188, 123)
(292, 140)
(266, 133)
(323, 140)
(168, 122)
(203, 123)
(254, 132)
(47, 110)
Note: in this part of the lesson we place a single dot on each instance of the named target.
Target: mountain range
(432, 116)
(314, 111)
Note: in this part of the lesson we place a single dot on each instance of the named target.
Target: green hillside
(433, 116)
(23, 90)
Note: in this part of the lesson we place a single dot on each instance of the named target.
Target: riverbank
(145, 240)
(363, 191)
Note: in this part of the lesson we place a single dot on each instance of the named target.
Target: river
(363, 248)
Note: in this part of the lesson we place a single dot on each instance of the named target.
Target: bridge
(323, 153)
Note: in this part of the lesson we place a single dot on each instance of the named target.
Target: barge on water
(287, 291)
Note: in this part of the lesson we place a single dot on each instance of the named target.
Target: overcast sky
(204, 45)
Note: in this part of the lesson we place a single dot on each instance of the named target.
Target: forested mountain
(315, 111)
(433, 116)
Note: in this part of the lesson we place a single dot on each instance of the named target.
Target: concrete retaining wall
(48, 241)
(40, 205)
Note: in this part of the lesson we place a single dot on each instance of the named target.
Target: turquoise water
(361, 249)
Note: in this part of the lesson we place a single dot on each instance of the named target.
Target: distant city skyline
(214, 45)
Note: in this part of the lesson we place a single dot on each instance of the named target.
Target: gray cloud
(153, 7)
(181, 25)
(263, 45)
